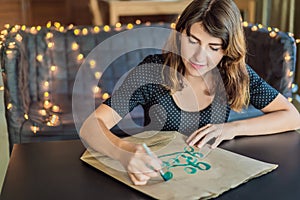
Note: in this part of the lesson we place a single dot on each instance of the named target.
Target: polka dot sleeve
(261, 93)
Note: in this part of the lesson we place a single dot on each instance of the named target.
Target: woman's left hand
(206, 133)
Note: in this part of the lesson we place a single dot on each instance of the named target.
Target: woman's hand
(139, 165)
(206, 133)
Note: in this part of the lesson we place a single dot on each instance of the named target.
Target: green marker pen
(166, 176)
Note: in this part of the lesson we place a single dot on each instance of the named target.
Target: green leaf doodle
(189, 159)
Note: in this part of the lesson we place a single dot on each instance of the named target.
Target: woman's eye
(192, 40)
(214, 48)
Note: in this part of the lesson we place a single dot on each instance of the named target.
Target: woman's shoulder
(253, 76)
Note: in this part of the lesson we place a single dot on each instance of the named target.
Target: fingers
(207, 139)
(202, 136)
(217, 142)
(208, 134)
(137, 179)
(151, 161)
(196, 133)
(142, 167)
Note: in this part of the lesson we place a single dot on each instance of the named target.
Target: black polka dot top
(145, 86)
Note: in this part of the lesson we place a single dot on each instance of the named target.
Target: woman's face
(200, 51)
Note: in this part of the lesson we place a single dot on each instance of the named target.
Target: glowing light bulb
(46, 84)
(98, 75)
(173, 25)
(53, 68)
(49, 35)
(75, 46)
(1, 88)
(138, 21)
(4, 32)
(46, 94)
(129, 26)
(38, 28)
(70, 26)
(17, 26)
(13, 30)
(9, 54)
(96, 29)
(19, 38)
(43, 112)
(47, 104)
(272, 34)
(92, 64)
(106, 28)
(96, 89)
(33, 30)
(34, 128)
(48, 25)
(76, 32)
(26, 116)
(245, 24)
(11, 45)
(53, 120)
(50, 45)
(23, 28)
(287, 57)
(55, 108)
(105, 96)
(80, 57)
(118, 25)
(85, 31)
(61, 29)
(39, 58)
(9, 106)
(56, 24)
(254, 28)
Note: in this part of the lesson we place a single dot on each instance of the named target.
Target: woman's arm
(280, 116)
(96, 133)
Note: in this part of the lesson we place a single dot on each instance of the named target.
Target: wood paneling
(39, 12)
(13, 12)
(43, 11)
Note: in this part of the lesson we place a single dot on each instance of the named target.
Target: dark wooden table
(52, 170)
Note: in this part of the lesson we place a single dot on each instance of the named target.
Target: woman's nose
(200, 54)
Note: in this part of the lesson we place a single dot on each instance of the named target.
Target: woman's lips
(197, 66)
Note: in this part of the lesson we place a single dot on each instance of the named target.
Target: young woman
(191, 89)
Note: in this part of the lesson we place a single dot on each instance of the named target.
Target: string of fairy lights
(50, 110)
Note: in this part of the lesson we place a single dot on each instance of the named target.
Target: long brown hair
(221, 19)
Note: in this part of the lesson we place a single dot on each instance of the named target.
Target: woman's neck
(200, 83)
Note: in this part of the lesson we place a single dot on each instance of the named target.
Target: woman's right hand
(139, 165)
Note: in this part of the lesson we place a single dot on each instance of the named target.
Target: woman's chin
(197, 72)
